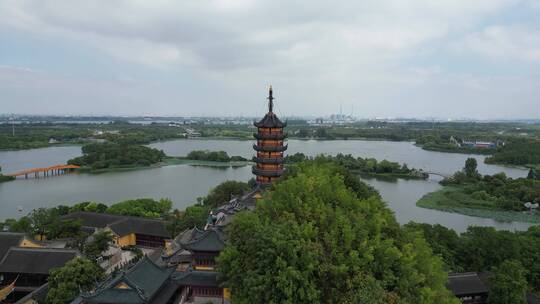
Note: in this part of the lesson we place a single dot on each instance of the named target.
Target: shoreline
(458, 151)
(435, 200)
(171, 161)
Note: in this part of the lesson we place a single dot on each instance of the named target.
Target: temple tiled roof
(94, 219)
(35, 260)
(468, 283)
(38, 295)
(211, 240)
(196, 278)
(121, 225)
(9, 239)
(142, 283)
(140, 226)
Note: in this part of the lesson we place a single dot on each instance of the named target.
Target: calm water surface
(183, 183)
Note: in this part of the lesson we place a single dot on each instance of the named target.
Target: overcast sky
(378, 58)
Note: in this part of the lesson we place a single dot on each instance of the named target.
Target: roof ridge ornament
(270, 100)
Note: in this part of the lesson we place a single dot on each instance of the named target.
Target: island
(113, 156)
(5, 178)
(364, 166)
(491, 196)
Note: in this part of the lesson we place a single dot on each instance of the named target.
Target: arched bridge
(437, 173)
(46, 171)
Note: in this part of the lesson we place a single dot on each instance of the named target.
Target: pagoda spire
(270, 100)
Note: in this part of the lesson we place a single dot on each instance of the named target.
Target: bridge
(436, 173)
(46, 171)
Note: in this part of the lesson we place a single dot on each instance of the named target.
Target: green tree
(193, 216)
(471, 167)
(100, 242)
(46, 223)
(143, 207)
(24, 224)
(313, 240)
(224, 192)
(41, 219)
(4, 178)
(532, 174)
(508, 284)
(65, 283)
(443, 241)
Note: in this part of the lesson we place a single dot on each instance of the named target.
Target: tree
(313, 240)
(508, 284)
(532, 174)
(224, 192)
(193, 216)
(22, 225)
(5, 178)
(65, 283)
(143, 207)
(443, 241)
(100, 242)
(471, 167)
(46, 223)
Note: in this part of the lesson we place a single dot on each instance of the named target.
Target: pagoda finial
(270, 100)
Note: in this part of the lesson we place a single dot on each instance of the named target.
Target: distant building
(192, 133)
(479, 144)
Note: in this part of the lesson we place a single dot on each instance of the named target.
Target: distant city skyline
(414, 59)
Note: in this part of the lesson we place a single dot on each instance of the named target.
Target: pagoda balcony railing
(267, 173)
(270, 148)
(281, 135)
(269, 160)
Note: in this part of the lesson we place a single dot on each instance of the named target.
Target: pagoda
(270, 146)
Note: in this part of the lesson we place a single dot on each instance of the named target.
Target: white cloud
(500, 41)
(314, 52)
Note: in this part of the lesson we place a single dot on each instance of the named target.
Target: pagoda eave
(265, 160)
(270, 136)
(267, 173)
(270, 148)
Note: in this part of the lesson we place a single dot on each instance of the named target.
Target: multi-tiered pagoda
(270, 146)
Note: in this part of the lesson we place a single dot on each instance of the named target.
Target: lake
(184, 183)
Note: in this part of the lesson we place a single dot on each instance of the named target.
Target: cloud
(522, 43)
(371, 53)
(237, 34)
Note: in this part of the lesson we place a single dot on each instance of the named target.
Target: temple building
(25, 264)
(270, 146)
(126, 230)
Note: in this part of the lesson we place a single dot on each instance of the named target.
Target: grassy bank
(5, 178)
(390, 176)
(184, 161)
(455, 200)
(169, 161)
(115, 169)
(456, 150)
(533, 166)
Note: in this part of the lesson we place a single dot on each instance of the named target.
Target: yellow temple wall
(126, 240)
(29, 244)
